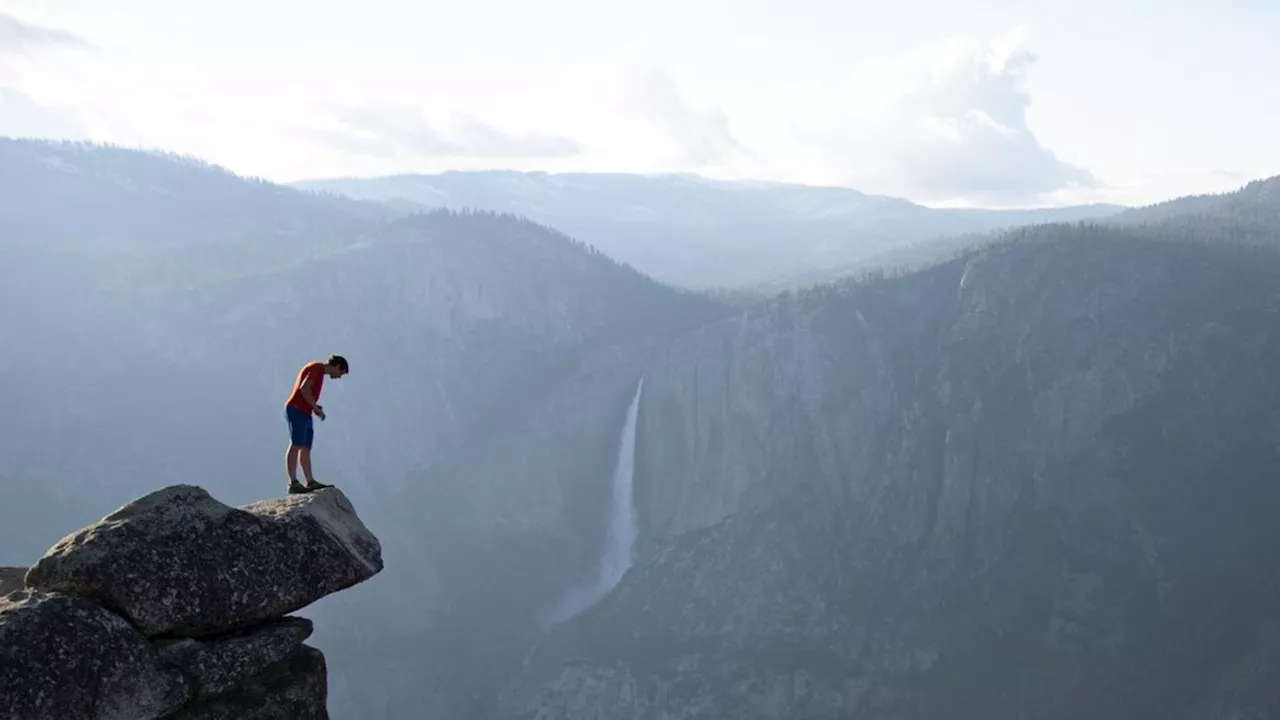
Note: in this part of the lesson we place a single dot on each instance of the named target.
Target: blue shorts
(301, 429)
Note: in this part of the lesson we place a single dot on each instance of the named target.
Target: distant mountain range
(699, 233)
(1032, 481)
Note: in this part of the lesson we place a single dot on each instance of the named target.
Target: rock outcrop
(293, 688)
(217, 665)
(64, 657)
(174, 607)
(166, 561)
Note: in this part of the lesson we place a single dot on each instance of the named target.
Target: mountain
(127, 200)
(1033, 482)
(1257, 201)
(695, 232)
(1039, 216)
(1251, 211)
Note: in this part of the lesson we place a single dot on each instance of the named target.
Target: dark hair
(340, 362)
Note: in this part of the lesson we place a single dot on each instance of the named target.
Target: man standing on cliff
(304, 402)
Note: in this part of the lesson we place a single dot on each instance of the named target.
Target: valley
(1023, 474)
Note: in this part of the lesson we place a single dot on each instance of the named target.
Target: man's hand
(320, 412)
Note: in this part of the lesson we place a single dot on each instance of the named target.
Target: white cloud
(23, 45)
(17, 36)
(698, 138)
(945, 124)
(22, 116)
(627, 114)
(402, 132)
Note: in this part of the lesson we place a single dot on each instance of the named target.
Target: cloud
(18, 37)
(21, 113)
(948, 123)
(22, 116)
(395, 131)
(700, 137)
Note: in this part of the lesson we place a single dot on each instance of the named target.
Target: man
(304, 402)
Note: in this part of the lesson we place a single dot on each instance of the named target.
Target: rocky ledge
(176, 607)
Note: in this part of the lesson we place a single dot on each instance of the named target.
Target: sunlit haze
(985, 102)
(684, 359)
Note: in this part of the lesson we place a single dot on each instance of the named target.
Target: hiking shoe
(296, 488)
(316, 485)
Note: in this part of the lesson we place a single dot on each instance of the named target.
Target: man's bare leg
(304, 459)
(291, 464)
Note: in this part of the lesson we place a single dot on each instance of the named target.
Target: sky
(989, 103)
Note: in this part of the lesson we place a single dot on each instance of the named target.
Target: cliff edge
(176, 607)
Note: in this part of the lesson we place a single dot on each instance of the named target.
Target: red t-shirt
(314, 370)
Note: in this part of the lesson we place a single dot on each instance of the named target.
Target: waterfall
(616, 558)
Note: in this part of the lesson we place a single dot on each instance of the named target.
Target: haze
(984, 103)
(707, 360)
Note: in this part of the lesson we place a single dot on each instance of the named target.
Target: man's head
(336, 366)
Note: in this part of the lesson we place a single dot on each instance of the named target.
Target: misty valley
(628, 454)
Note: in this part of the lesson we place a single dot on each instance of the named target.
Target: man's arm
(305, 391)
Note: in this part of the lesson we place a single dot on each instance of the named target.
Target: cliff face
(176, 607)
(1034, 483)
